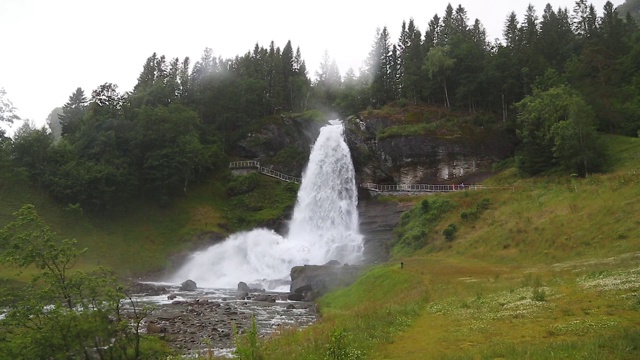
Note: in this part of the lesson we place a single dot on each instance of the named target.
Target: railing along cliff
(250, 164)
(263, 170)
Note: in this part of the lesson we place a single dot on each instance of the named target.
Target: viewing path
(400, 188)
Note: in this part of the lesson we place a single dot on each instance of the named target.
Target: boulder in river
(188, 285)
(243, 287)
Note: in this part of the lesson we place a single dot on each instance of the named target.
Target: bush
(538, 294)
(450, 231)
(424, 205)
(243, 184)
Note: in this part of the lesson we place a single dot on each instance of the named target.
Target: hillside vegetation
(146, 238)
(537, 268)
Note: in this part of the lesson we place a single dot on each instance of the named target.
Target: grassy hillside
(546, 270)
(144, 238)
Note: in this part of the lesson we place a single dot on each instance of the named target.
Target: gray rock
(428, 158)
(295, 297)
(264, 298)
(320, 279)
(243, 287)
(188, 285)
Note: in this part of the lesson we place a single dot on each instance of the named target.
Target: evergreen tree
(379, 64)
(73, 112)
(412, 60)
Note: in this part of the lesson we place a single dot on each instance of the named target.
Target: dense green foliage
(63, 313)
(557, 126)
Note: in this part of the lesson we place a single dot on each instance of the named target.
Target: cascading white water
(324, 227)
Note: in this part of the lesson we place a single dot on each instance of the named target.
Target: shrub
(450, 231)
(243, 184)
(538, 294)
(424, 205)
(247, 347)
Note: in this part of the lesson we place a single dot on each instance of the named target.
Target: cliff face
(428, 158)
(281, 142)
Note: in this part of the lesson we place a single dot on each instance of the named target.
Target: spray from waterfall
(324, 227)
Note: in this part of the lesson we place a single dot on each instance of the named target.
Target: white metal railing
(263, 170)
(244, 164)
(251, 164)
(279, 175)
(420, 187)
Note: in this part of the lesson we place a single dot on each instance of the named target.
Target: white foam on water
(324, 227)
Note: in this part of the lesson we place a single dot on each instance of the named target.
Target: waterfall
(324, 227)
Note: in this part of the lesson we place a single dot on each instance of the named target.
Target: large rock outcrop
(281, 142)
(431, 157)
(377, 221)
(312, 281)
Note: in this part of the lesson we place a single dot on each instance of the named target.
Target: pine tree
(379, 69)
(73, 113)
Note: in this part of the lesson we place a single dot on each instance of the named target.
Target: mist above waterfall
(324, 227)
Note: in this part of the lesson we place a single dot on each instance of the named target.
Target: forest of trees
(179, 122)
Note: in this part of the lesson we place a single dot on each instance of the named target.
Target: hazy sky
(49, 48)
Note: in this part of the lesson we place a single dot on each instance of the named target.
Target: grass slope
(549, 269)
(146, 237)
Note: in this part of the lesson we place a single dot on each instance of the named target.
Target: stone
(295, 297)
(154, 329)
(243, 287)
(172, 296)
(242, 295)
(321, 279)
(303, 289)
(188, 285)
(264, 298)
(290, 307)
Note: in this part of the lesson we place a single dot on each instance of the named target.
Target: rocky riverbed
(203, 320)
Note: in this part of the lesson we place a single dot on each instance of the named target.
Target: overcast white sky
(49, 48)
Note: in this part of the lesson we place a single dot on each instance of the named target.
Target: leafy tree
(438, 65)
(63, 313)
(557, 127)
(7, 110)
(170, 155)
